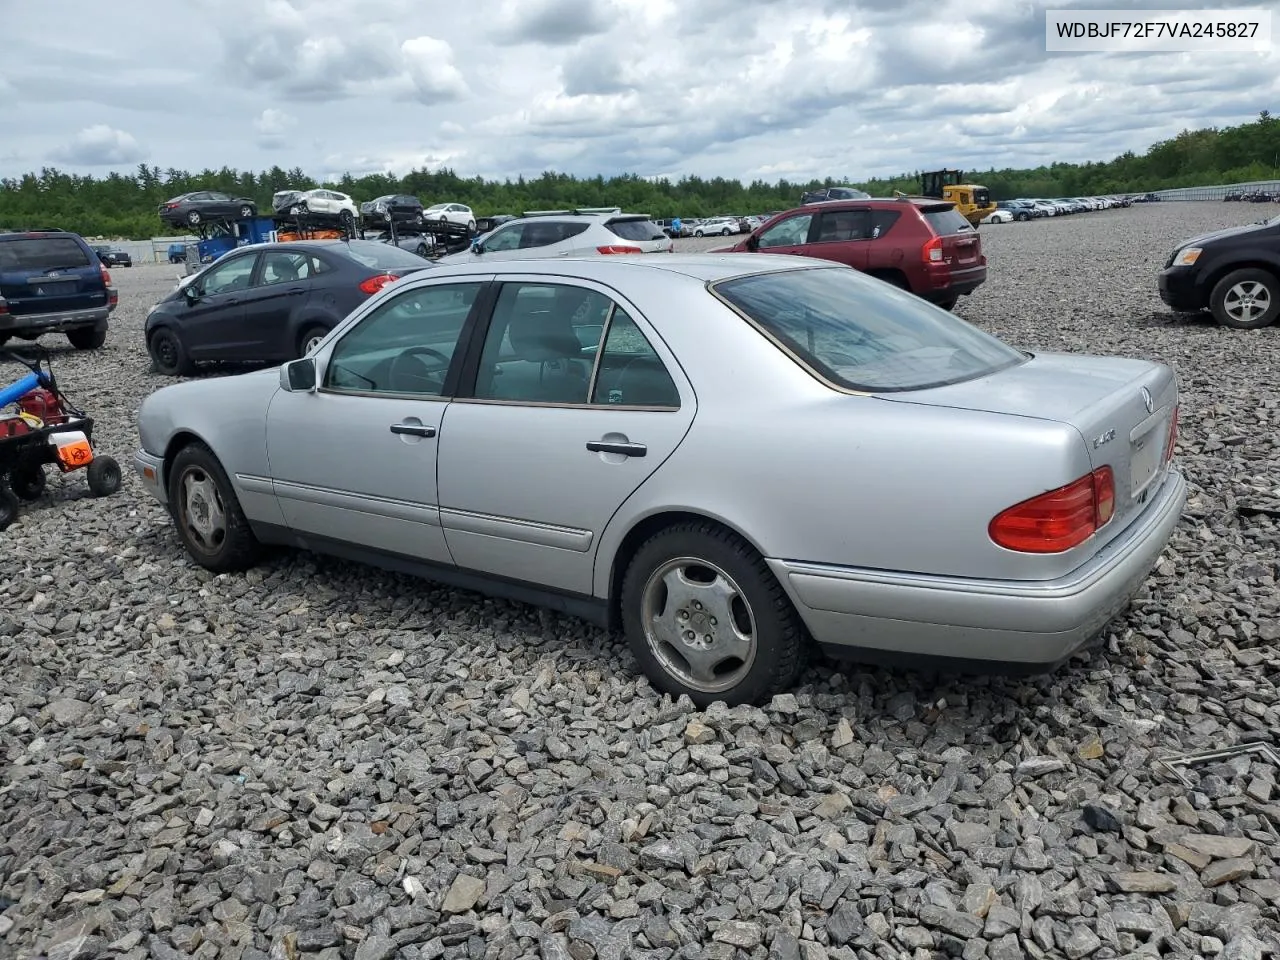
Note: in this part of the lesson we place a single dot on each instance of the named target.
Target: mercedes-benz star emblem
(1146, 399)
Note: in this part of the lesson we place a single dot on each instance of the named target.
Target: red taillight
(1173, 436)
(1060, 519)
(374, 284)
(931, 252)
(106, 277)
(618, 248)
(4, 306)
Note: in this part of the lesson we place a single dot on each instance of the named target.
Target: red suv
(919, 244)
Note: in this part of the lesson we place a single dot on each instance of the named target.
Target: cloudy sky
(738, 88)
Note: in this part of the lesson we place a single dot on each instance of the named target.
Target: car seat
(546, 337)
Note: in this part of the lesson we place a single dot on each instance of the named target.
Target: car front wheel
(1246, 299)
(705, 617)
(207, 513)
(168, 355)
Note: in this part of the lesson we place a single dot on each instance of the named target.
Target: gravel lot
(318, 759)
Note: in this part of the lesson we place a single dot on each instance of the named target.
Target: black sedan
(113, 256)
(269, 302)
(1233, 273)
(203, 206)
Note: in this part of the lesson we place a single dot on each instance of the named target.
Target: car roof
(703, 267)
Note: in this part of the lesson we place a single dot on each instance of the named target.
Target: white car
(723, 226)
(452, 213)
(567, 235)
(998, 216)
(325, 202)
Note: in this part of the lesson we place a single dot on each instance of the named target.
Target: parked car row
(200, 207)
(1252, 196)
(721, 226)
(1033, 209)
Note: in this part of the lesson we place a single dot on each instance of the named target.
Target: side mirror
(299, 376)
(191, 293)
(477, 247)
(753, 243)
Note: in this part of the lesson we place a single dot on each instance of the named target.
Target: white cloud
(741, 88)
(274, 127)
(100, 146)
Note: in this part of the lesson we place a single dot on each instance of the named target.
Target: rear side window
(861, 335)
(945, 222)
(882, 221)
(636, 230)
(42, 253)
(839, 225)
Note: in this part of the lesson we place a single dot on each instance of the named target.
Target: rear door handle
(413, 429)
(611, 446)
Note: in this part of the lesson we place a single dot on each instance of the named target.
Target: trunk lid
(49, 274)
(1104, 398)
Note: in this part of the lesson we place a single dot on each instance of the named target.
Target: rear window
(948, 221)
(42, 253)
(636, 230)
(861, 334)
(379, 256)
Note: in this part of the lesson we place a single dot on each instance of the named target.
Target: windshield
(862, 334)
(381, 256)
(41, 254)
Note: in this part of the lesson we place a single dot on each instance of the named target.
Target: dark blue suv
(52, 281)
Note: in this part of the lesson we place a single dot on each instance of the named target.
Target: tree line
(125, 206)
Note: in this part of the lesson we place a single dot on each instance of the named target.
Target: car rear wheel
(246, 212)
(194, 218)
(205, 510)
(1246, 299)
(471, 226)
(87, 338)
(9, 507)
(168, 356)
(705, 617)
(422, 250)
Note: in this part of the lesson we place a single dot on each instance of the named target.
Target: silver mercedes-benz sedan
(727, 457)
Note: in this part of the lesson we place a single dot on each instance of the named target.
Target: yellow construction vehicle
(971, 199)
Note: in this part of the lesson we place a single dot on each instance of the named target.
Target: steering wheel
(423, 373)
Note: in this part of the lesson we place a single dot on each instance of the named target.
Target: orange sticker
(77, 454)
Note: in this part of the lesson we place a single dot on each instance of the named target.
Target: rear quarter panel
(808, 473)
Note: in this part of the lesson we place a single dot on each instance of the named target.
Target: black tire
(194, 218)
(1254, 285)
(1024, 217)
(471, 227)
(87, 338)
(422, 251)
(779, 641)
(4, 338)
(246, 212)
(310, 333)
(168, 356)
(235, 547)
(27, 481)
(103, 476)
(9, 506)
(949, 303)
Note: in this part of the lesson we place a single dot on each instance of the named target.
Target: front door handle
(612, 446)
(413, 429)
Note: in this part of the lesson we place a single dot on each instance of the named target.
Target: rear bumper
(954, 283)
(58, 322)
(991, 623)
(1178, 290)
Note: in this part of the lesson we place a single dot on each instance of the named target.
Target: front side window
(788, 233)
(229, 275)
(507, 238)
(406, 345)
(864, 336)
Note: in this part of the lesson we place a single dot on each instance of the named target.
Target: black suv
(51, 281)
(1233, 273)
(833, 193)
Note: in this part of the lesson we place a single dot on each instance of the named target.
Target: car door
(214, 317)
(841, 236)
(354, 461)
(788, 235)
(283, 283)
(537, 456)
